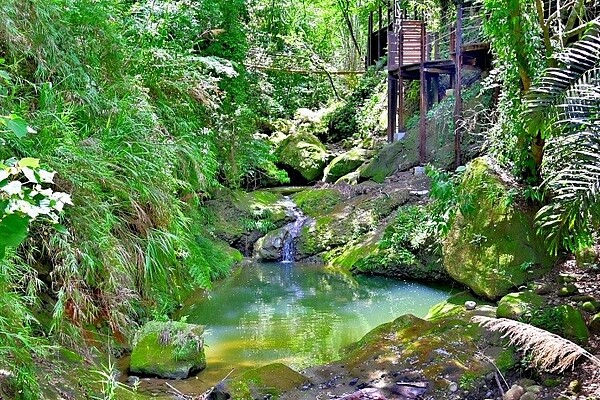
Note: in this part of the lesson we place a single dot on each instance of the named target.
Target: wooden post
(423, 122)
(369, 41)
(457, 83)
(379, 35)
(401, 126)
(392, 105)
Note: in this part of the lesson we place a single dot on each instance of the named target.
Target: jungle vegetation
(144, 108)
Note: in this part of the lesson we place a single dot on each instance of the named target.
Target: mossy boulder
(171, 350)
(265, 382)
(514, 305)
(400, 155)
(404, 249)
(241, 218)
(345, 163)
(572, 324)
(493, 245)
(338, 227)
(303, 154)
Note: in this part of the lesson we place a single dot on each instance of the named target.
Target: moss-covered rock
(171, 350)
(573, 325)
(265, 382)
(400, 155)
(404, 249)
(303, 153)
(240, 218)
(514, 305)
(345, 163)
(454, 307)
(349, 223)
(317, 202)
(493, 245)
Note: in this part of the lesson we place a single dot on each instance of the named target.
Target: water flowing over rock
(280, 244)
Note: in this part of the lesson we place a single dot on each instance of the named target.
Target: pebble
(514, 393)
(528, 396)
(534, 389)
(470, 305)
(453, 387)
(133, 380)
(575, 386)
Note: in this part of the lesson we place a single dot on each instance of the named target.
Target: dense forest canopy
(145, 108)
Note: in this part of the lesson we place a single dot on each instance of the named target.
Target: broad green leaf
(29, 162)
(16, 124)
(13, 230)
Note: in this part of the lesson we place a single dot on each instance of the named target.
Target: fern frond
(550, 352)
(572, 163)
(547, 96)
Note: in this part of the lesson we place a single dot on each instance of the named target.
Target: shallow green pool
(297, 314)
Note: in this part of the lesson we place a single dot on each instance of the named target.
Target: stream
(301, 315)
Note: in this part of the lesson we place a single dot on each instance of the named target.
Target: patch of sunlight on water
(297, 314)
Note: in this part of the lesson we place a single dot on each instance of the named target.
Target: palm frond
(546, 97)
(550, 352)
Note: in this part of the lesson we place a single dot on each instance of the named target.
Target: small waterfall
(292, 231)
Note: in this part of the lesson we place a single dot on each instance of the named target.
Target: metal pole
(457, 83)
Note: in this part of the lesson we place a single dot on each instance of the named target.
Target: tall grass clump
(134, 107)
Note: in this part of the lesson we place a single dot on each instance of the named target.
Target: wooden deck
(414, 54)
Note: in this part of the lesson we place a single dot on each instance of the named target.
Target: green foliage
(565, 106)
(513, 30)
(343, 122)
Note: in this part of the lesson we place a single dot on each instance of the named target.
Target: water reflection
(297, 314)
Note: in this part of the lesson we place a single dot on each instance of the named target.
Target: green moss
(272, 380)
(400, 155)
(514, 305)
(454, 305)
(168, 349)
(317, 202)
(304, 153)
(507, 359)
(493, 238)
(344, 164)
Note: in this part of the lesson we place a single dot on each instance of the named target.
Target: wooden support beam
(401, 125)
(458, 83)
(379, 35)
(423, 108)
(369, 61)
(392, 106)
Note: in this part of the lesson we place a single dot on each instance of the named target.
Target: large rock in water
(270, 246)
(171, 350)
(345, 163)
(492, 245)
(304, 153)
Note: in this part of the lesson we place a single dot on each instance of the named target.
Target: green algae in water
(300, 315)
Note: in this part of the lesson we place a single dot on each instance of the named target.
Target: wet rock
(514, 393)
(365, 394)
(171, 350)
(269, 247)
(514, 305)
(133, 380)
(470, 305)
(353, 382)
